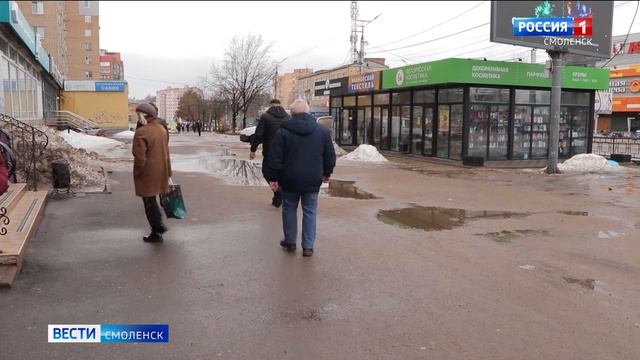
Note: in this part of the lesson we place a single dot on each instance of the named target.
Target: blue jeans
(290, 217)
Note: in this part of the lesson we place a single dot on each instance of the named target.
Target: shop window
(533, 97)
(489, 95)
(349, 101)
(37, 7)
(336, 102)
(401, 98)
(364, 100)
(575, 98)
(450, 95)
(424, 97)
(381, 99)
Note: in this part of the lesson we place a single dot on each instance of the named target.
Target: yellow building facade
(105, 103)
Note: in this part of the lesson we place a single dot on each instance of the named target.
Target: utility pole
(533, 56)
(554, 126)
(354, 32)
(275, 82)
(363, 24)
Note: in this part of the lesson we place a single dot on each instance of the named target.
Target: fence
(606, 146)
(28, 144)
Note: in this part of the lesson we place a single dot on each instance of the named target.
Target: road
(550, 272)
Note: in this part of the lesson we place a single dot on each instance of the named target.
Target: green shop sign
(491, 73)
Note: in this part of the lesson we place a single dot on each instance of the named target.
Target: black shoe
(307, 252)
(154, 237)
(287, 246)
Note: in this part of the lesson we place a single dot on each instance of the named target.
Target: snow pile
(587, 163)
(82, 174)
(98, 144)
(338, 150)
(127, 134)
(365, 153)
(248, 131)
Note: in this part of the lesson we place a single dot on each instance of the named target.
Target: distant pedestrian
(301, 158)
(267, 126)
(178, 127)
(634, 133)
(151, 168)
(199, 128)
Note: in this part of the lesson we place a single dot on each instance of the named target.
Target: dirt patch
(585, 283)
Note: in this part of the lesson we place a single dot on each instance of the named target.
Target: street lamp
(364, 24)
(275, 83)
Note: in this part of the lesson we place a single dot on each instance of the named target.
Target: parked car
(246, 134)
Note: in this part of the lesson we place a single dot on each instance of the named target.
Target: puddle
(506, 236)
(585, 283)
(574, 213)
(347, 189)
(232, 170)
(437, 218)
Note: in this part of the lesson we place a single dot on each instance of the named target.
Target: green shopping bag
(173, 203)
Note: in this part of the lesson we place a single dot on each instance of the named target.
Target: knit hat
(147, 109)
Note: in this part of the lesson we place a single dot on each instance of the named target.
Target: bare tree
(245, 74)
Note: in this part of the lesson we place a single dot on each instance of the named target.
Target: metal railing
(606, 146)
(28, 144)
(68, 119)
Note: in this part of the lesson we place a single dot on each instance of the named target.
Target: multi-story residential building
(285, 85)
(306, 84)
(111, 66)
(168, 99)
(70, 33)
(30, 86)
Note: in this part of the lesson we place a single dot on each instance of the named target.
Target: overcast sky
(168, 43)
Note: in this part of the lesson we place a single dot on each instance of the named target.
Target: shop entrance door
(359, 131)
(347, 127)
(380, 137)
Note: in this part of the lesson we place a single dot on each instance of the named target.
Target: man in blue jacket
(301, 159)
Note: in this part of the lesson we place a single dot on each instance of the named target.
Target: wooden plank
(9, 199)
(8, 274)
(24, 223)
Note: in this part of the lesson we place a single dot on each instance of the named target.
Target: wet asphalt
(518, 272)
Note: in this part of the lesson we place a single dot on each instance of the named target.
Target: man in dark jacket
(267, 126)
(300, 159)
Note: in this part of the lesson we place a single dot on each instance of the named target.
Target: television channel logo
(109, 333)
(565, 26)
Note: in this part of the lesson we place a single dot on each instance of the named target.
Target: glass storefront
(488, 135)
(21, 88)
(400, 121)
(500, 123)
(450, 121)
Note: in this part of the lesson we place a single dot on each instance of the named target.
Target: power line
(433, 27)
(436, 39)
(626, 37)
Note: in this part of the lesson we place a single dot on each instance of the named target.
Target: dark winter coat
(267, 126)
(4, 177)
(301, 154)
(151, 163)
